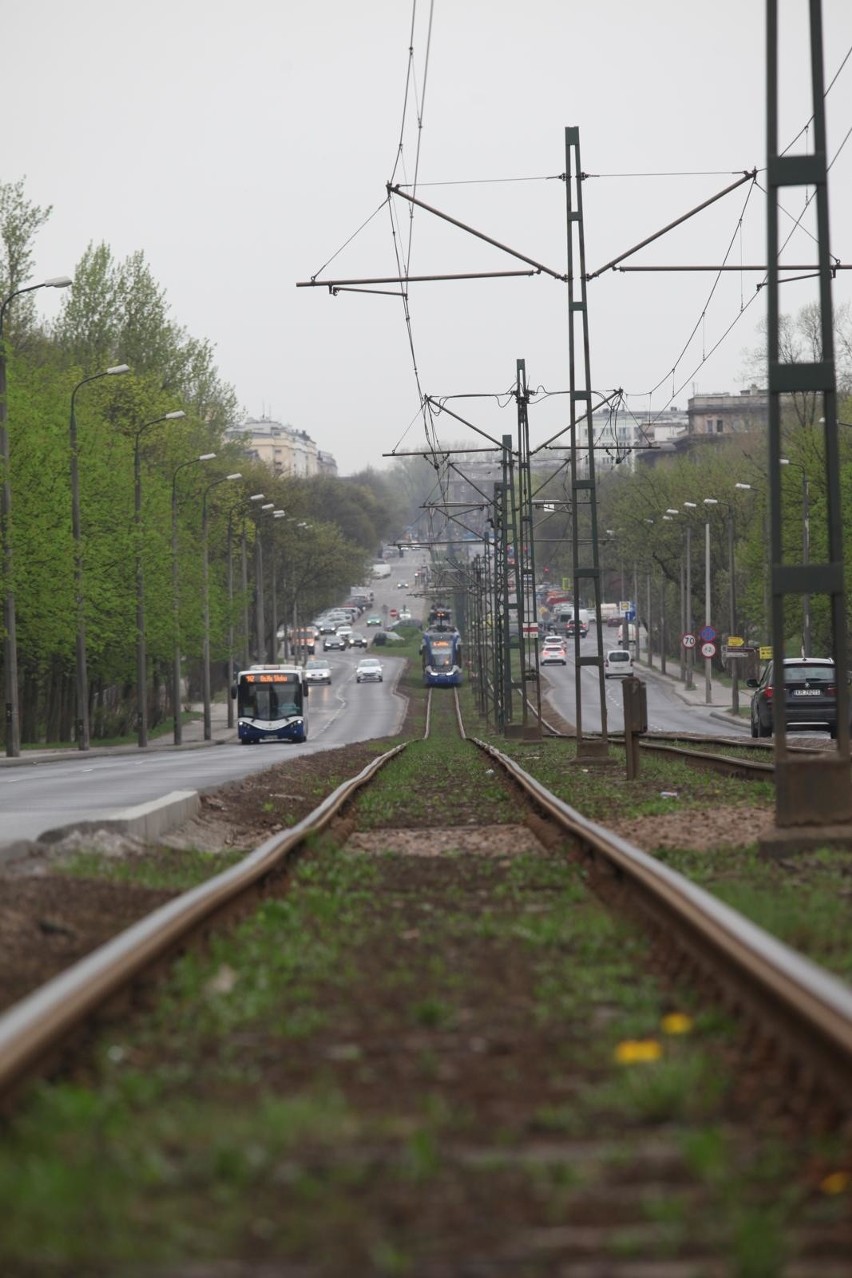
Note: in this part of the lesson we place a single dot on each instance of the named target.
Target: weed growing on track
(387, 1067)
(360, 1053)
(602, 793)
(150, 870)
(804, 901)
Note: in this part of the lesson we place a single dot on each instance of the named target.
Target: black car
(810, 696)
(334, 641)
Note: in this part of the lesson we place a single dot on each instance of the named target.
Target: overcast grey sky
(240, 146)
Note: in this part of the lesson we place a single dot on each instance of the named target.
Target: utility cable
(672, 370)
(810, 121)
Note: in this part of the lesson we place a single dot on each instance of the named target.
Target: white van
(617, 662)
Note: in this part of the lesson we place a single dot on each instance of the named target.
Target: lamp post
(648, 611)
(82, 674)
(260, 618)
(669, 517)
(276, 514)
(708, 601)
(238, 506)
(690, 656)
(10, 647)
(141, 658)
(176, 680)
(806, 550)
(205, 587)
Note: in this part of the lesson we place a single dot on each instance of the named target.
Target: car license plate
(806, 692)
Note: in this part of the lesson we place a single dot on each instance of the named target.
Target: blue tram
(441, 651)
(271, 704)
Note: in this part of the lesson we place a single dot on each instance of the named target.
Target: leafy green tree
(20, 221)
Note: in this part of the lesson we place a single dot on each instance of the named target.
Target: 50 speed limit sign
(708, 649)
(688, 640)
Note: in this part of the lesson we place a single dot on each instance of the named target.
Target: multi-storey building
(622, 438)
(283, 449)
(725, 414)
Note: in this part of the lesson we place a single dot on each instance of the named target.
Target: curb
(145, 821)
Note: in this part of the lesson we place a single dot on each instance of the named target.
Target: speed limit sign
(688, 640)
(708, 650)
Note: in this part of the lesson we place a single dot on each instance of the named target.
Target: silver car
(369, 670)
(317, 670)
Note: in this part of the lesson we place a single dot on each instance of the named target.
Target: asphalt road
(670, 707)
(43, 793)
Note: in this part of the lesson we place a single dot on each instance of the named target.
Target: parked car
(618, 662)
(334, 642)
(810, 696)
(317, 670)
(369, 670)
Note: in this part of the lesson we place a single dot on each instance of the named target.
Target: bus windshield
(269, 696)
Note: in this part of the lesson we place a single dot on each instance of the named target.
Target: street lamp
(708, 601)
(806, 549)
(10, 647)
(276, 514)
(688, 624)
(82, 674)
(260, 617)
(141, 659)
(238, 506)
(176, 680)
(205, 659)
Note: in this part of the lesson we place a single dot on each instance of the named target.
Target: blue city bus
(271, 704)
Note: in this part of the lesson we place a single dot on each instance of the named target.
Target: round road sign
(688, 640)
(708, 650)
(708, 634)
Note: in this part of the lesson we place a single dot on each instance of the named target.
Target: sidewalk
(192, 738)
(720, 694)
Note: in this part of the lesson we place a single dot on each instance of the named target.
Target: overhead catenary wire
(797, 224)
(670, 372)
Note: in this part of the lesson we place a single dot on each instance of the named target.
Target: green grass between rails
(226, 1123)
(183, 1147)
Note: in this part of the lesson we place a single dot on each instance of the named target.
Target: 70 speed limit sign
(688, 640)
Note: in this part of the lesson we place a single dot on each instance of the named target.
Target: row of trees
(116, 313)
(728, 484)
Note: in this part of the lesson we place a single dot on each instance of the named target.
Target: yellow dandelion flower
(634, 1050)
(677, 1023)
(836, 1182)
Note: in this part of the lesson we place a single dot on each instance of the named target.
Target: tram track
(810, 1005)
(805, 1015)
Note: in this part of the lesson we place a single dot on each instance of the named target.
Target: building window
(719, 425)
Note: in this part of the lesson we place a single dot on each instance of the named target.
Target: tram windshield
(442, 654)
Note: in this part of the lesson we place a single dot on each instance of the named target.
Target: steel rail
(35, 1026)
(459, 719)
(725, 764)
(816, 1004)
